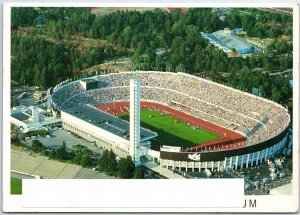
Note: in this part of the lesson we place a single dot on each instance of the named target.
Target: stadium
(187, 122)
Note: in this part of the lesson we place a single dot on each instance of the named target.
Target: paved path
(163, 171)
(20, 175)
(85, 173)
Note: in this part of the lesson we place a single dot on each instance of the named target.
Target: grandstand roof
(107, 122)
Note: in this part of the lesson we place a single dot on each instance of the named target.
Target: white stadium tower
(135, 119)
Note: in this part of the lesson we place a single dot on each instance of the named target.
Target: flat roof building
(89, 83)
(32, 118)
(227, 41)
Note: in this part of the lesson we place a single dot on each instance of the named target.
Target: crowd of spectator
(219, 104)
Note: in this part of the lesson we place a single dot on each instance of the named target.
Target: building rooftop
(20, 116)
(89, 80)
(227, 40)
(231, 41)
(107, 122)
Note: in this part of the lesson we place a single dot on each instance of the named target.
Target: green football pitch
(171, 131)
(15, 186)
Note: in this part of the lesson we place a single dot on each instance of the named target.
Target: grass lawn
(15, 186)
(171, 131)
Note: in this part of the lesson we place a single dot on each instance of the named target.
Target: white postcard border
(263, 203)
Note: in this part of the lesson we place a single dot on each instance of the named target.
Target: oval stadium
(179, 120)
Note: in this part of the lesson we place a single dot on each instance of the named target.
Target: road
(20, 175)
(163, 171)
(288, 71)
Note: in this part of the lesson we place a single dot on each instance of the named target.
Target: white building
(32, 118)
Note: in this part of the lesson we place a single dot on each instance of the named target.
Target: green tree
(77, 158)
(103, 161)
(22, 16)
(138, 173)
(14, 102)
(37, 146)
(85, 160)
(276, 94)
(125, 167)
(245, 82)
(62, 153)
(112, 163)
(107, 162)
(160, 63)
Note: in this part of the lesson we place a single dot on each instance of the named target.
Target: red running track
(229, 139)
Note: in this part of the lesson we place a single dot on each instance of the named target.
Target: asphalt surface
(57, 138)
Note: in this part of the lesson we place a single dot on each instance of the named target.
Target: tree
(159, 63)
(22, 16)
(125, 167)
(233, 19)
(245, 83)
(107, 162)
(138, 173)
(37, 146)
(276, 94)
(103, 161)
(85, 160)
(62, 153)
(14, 102)
(52, 154)
(77, 158)
(112, 163)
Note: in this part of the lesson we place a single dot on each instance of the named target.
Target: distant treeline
(160, 40)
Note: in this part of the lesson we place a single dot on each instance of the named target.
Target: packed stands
(212, 102)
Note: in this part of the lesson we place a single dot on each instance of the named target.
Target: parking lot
(28, 100)
(59, 135)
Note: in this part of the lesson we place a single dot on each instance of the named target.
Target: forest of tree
(41, 63)
(258, 23)
(177, 35)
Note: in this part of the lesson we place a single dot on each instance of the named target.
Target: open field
(15, 186)
(171, 131)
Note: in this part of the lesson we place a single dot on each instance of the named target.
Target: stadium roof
(107, 122)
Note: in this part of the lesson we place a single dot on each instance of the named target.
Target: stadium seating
(255, 118)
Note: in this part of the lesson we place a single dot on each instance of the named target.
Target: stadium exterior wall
(229, 159)
(95, 134)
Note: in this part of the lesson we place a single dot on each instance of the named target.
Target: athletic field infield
(171, 131)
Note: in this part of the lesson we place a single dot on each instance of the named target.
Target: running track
(229, 139)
